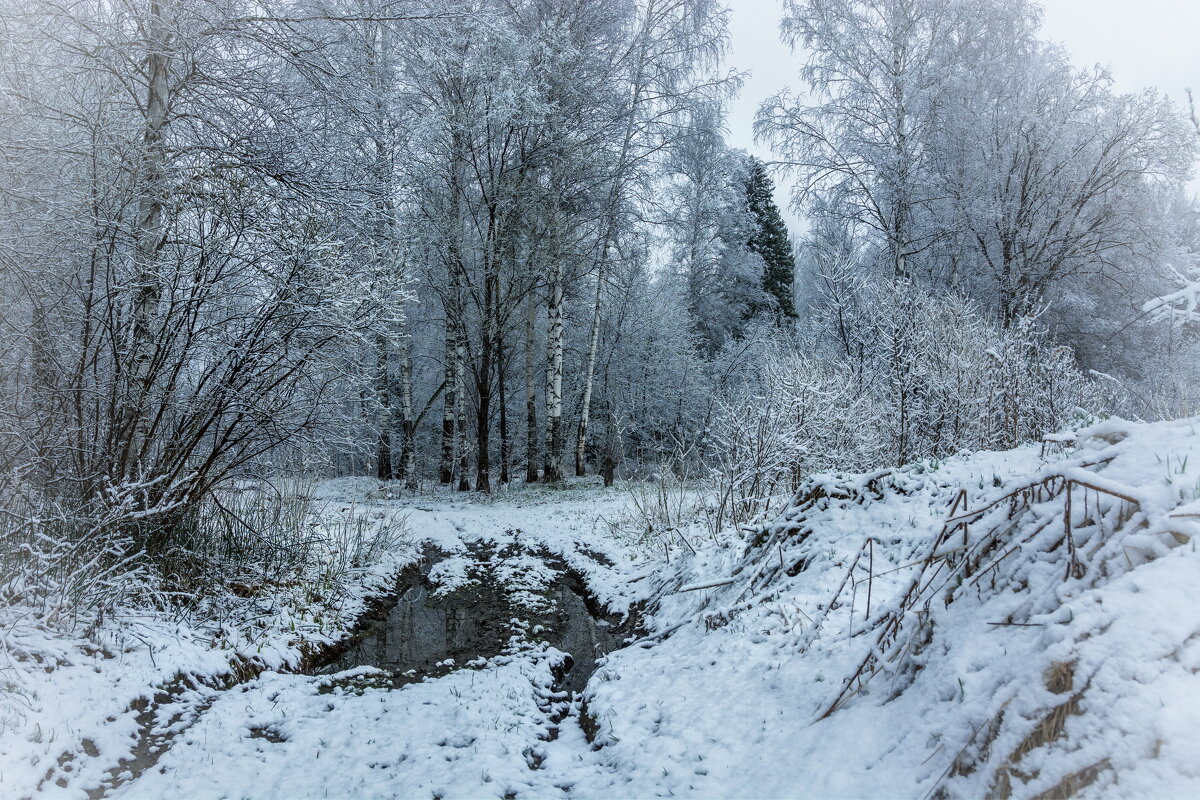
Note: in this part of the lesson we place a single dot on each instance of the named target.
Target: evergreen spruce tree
(769, 238)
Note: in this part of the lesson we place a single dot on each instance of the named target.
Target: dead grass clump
(1073, 784)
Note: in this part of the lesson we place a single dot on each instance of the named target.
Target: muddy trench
(456, 610)
(451, 611)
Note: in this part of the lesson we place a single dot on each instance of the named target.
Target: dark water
(584, 636)
(428, 634)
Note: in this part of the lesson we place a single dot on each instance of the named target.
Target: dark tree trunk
(531, 420)
(502, 396)
(408, 465)
(450, 401)
(385, 468)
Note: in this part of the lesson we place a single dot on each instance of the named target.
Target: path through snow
(505, 725)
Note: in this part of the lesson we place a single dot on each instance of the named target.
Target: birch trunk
(589, 377)
(615, 196)
(554, 374)
(148, 237)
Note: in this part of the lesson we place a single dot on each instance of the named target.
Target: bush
(62, 569)
(910, 376)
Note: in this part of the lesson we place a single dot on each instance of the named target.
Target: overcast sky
(1144, 42)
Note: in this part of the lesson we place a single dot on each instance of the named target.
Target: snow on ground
(478, 732)
(79, 704)
(1036, 684)
(66, 696)
(1039, 648)
(471, 733)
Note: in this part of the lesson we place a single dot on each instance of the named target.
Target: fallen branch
(695, 587)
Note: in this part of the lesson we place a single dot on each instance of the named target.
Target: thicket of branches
(474, 242)
(932, 377)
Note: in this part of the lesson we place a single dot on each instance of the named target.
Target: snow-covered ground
(957, 629)
(75, 702)
(502, 729)
(69, 722)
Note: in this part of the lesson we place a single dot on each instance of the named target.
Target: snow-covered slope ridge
(1004, 624)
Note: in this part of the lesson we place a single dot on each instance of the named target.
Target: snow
(68, 694)
(472, 733)
(904, 733)
(1181, 307)
(1009, 671)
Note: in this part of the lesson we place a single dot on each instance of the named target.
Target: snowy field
(864, 643)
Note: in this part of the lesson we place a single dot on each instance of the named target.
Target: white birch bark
(554, 374)
(589, 377)
(147, 292)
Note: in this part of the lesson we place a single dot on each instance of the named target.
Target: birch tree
(1052, 174)
(667, 68)
(877, 72)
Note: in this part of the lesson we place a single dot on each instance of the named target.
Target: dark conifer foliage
(769, 238)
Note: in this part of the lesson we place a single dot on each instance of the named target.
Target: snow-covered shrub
(68, 569)
(954, 380)
(917, 376)
(259, 535)
(248, 534)
(61, 568)
(1034, 387)
(801, 414)
(925, 365)
(353, 542)
(660, 507)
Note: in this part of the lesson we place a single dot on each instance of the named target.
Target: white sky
(1144, 42)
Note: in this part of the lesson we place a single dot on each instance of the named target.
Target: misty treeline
(476, 242)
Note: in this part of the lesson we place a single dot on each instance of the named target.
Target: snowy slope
(1005, 672)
